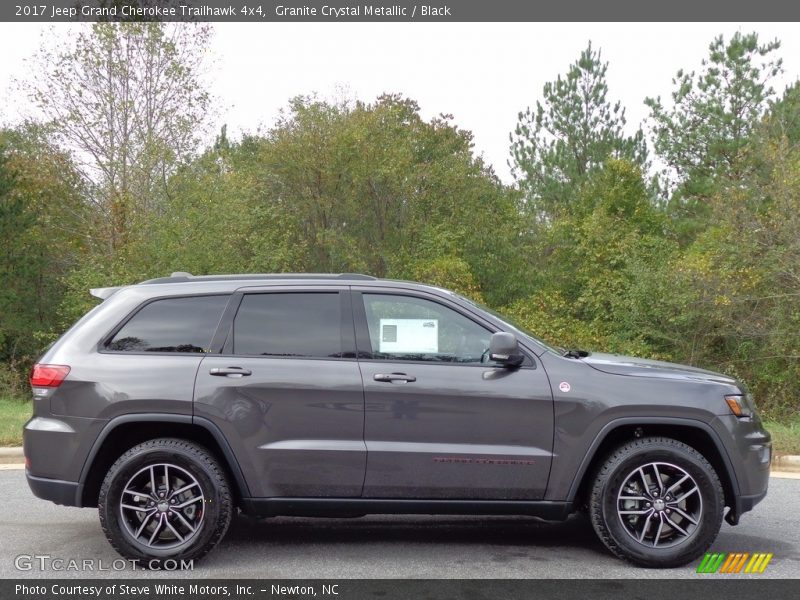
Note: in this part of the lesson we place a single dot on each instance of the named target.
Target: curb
(11, 455)
(786, 462)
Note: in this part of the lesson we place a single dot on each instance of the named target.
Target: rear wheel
(656, 502)
(165, 499)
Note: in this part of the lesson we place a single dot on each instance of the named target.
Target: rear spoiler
(105, 292)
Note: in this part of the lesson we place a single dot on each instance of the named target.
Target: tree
(40, 206)
(127, 101)
(345, 187)
(590, 291)
(375, 188)
(14, 221)
(569, 136)
(702, 136)
(738, 282)
(783, 118)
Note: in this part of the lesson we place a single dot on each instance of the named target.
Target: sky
(483, 74)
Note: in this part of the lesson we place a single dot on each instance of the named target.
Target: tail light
(49, 376)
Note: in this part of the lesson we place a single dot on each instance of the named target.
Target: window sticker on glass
(409, 335)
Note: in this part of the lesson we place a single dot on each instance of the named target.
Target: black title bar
(51, 11)
(155, 588)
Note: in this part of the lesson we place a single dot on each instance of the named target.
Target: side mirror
(504, 349)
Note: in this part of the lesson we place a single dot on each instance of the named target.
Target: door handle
(226, 371)
(392, 377)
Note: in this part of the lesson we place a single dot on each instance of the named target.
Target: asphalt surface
(385, 546)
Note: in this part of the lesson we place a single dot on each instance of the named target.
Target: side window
(408, 328)
(171, 325)
(289, 324)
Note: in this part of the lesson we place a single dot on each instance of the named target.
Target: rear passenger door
(286, 391)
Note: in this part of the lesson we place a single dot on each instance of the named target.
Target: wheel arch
(129, 430)
(697, 434)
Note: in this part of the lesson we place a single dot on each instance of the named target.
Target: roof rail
(182, 276)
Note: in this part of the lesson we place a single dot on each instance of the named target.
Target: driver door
(440, 422)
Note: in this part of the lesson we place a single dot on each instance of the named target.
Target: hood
(616, 364)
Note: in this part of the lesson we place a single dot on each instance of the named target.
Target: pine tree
(570, 134)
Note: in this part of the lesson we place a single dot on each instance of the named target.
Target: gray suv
(176, 402)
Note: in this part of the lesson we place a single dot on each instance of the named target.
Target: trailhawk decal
(482, 461)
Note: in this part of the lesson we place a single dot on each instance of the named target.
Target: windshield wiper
(575, 353)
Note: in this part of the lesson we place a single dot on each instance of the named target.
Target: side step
(348, 507)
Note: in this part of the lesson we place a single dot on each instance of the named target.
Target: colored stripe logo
(734, 562)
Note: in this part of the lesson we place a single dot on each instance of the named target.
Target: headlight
(741, 405)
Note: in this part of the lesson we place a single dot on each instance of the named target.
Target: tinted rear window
(171, 325)
(303, 325)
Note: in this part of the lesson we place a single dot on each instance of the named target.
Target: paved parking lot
(388, 546)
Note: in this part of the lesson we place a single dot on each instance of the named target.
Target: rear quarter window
(171, 325)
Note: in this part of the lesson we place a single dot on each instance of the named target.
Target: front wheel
(165, 500)
(656, 502)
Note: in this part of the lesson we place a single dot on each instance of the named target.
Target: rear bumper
(66, 493)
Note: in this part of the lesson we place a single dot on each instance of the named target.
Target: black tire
(209, 493)
(620, 532)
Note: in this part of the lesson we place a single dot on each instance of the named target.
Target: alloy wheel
(659, 505)
(162, 506)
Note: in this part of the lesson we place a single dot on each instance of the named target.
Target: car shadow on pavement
(419, 529)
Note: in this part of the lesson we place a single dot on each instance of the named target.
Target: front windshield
(512, 325)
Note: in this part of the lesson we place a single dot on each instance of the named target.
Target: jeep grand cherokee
(179, 401)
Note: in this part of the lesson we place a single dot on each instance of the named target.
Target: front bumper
(743, 504)
(749, 447)
(66, 493)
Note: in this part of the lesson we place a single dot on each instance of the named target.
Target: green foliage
(338, 188)
(703, 135)
(373, 187)
(759, 251)
(569, 136)
(14, 218)
(783, 119)
(40, 205)
(551, 317)
(599, 274)
(13, 415)
(447, 271)
(785, 435)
